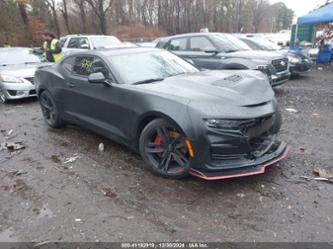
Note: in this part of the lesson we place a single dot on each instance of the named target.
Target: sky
(301, 7)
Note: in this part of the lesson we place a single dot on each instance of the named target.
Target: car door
(179, 46)
(95, 106)
(204, 53)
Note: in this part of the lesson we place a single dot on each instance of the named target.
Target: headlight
(10, 79)
(222, 124)
(293, 59)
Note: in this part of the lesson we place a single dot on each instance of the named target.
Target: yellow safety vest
(56, 57)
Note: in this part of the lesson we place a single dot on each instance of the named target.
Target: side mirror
(98, 78)
(84, 46)
(211, 50)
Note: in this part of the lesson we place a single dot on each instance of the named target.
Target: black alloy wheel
(166, 149)
(49, 110)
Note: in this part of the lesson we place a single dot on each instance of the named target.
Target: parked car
(211, 124)
(224, 51)
(17, 69)
(299, 63)
(74, 43)
(151, 44)
(146, 44)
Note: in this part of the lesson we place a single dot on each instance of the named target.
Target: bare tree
(101, 9)
(64, 11)
(53, 7)
(81, 5)
(260, 10)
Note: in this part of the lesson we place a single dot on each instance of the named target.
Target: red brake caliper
(158, 143)
(157, 140)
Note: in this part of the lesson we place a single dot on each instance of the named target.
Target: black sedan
(211, 124)
(298, 62)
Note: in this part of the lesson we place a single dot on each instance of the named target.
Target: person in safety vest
(51, 47)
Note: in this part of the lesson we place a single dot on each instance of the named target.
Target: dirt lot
(112, 196)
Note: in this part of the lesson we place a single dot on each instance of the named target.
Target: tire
(3, 98)
(50, 110)
(164, 149)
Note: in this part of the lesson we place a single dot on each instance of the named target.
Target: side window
(79, 42)
(68, 64)
(86, 65)
(83, 65)
(99, 66)
(178, 44)
(200, 43)
(62, 42)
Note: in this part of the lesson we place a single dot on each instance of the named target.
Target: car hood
(22, 70)
(255, 54)
(233, 88)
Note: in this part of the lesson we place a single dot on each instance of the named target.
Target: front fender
(238, 63)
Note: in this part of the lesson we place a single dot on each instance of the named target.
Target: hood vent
(234, 78)
(230, 79)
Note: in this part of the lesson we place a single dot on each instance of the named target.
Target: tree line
(22, 21)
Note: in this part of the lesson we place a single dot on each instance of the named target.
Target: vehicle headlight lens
(222, 123)
(10, 79)
(293, 59)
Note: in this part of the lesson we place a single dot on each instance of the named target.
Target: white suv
(71, 43)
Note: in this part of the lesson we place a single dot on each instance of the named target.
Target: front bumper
(18, 90)
(275, 78)
(300, 68)
(238, 147)
(280, 78)
(249, 168)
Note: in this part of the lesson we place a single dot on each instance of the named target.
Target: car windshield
(18, 56)
(265, 44)
(229, 43)
(103, 41)
(149, 66)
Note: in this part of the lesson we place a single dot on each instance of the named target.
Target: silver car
(17, 70)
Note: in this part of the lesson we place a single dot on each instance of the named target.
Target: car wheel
(50, 110)
(165, 149)
(3, 98)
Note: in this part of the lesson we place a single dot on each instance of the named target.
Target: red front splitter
(262, 170)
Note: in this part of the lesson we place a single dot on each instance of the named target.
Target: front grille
(254, 139)
(256, 127)
(31, 80)
(262, 144)
(280, 65)
(12, 92)
(32, 92)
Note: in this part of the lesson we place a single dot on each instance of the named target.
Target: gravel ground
(112, 196)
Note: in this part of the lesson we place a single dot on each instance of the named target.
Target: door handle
(70, 84)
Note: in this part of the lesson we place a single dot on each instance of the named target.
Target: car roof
(84, 35)
(117, 51)
(196, 34)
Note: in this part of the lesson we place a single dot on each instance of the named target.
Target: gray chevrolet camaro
(210, 124)
(17, 69)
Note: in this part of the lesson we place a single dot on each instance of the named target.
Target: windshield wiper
(148, 81)
(32, 62)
